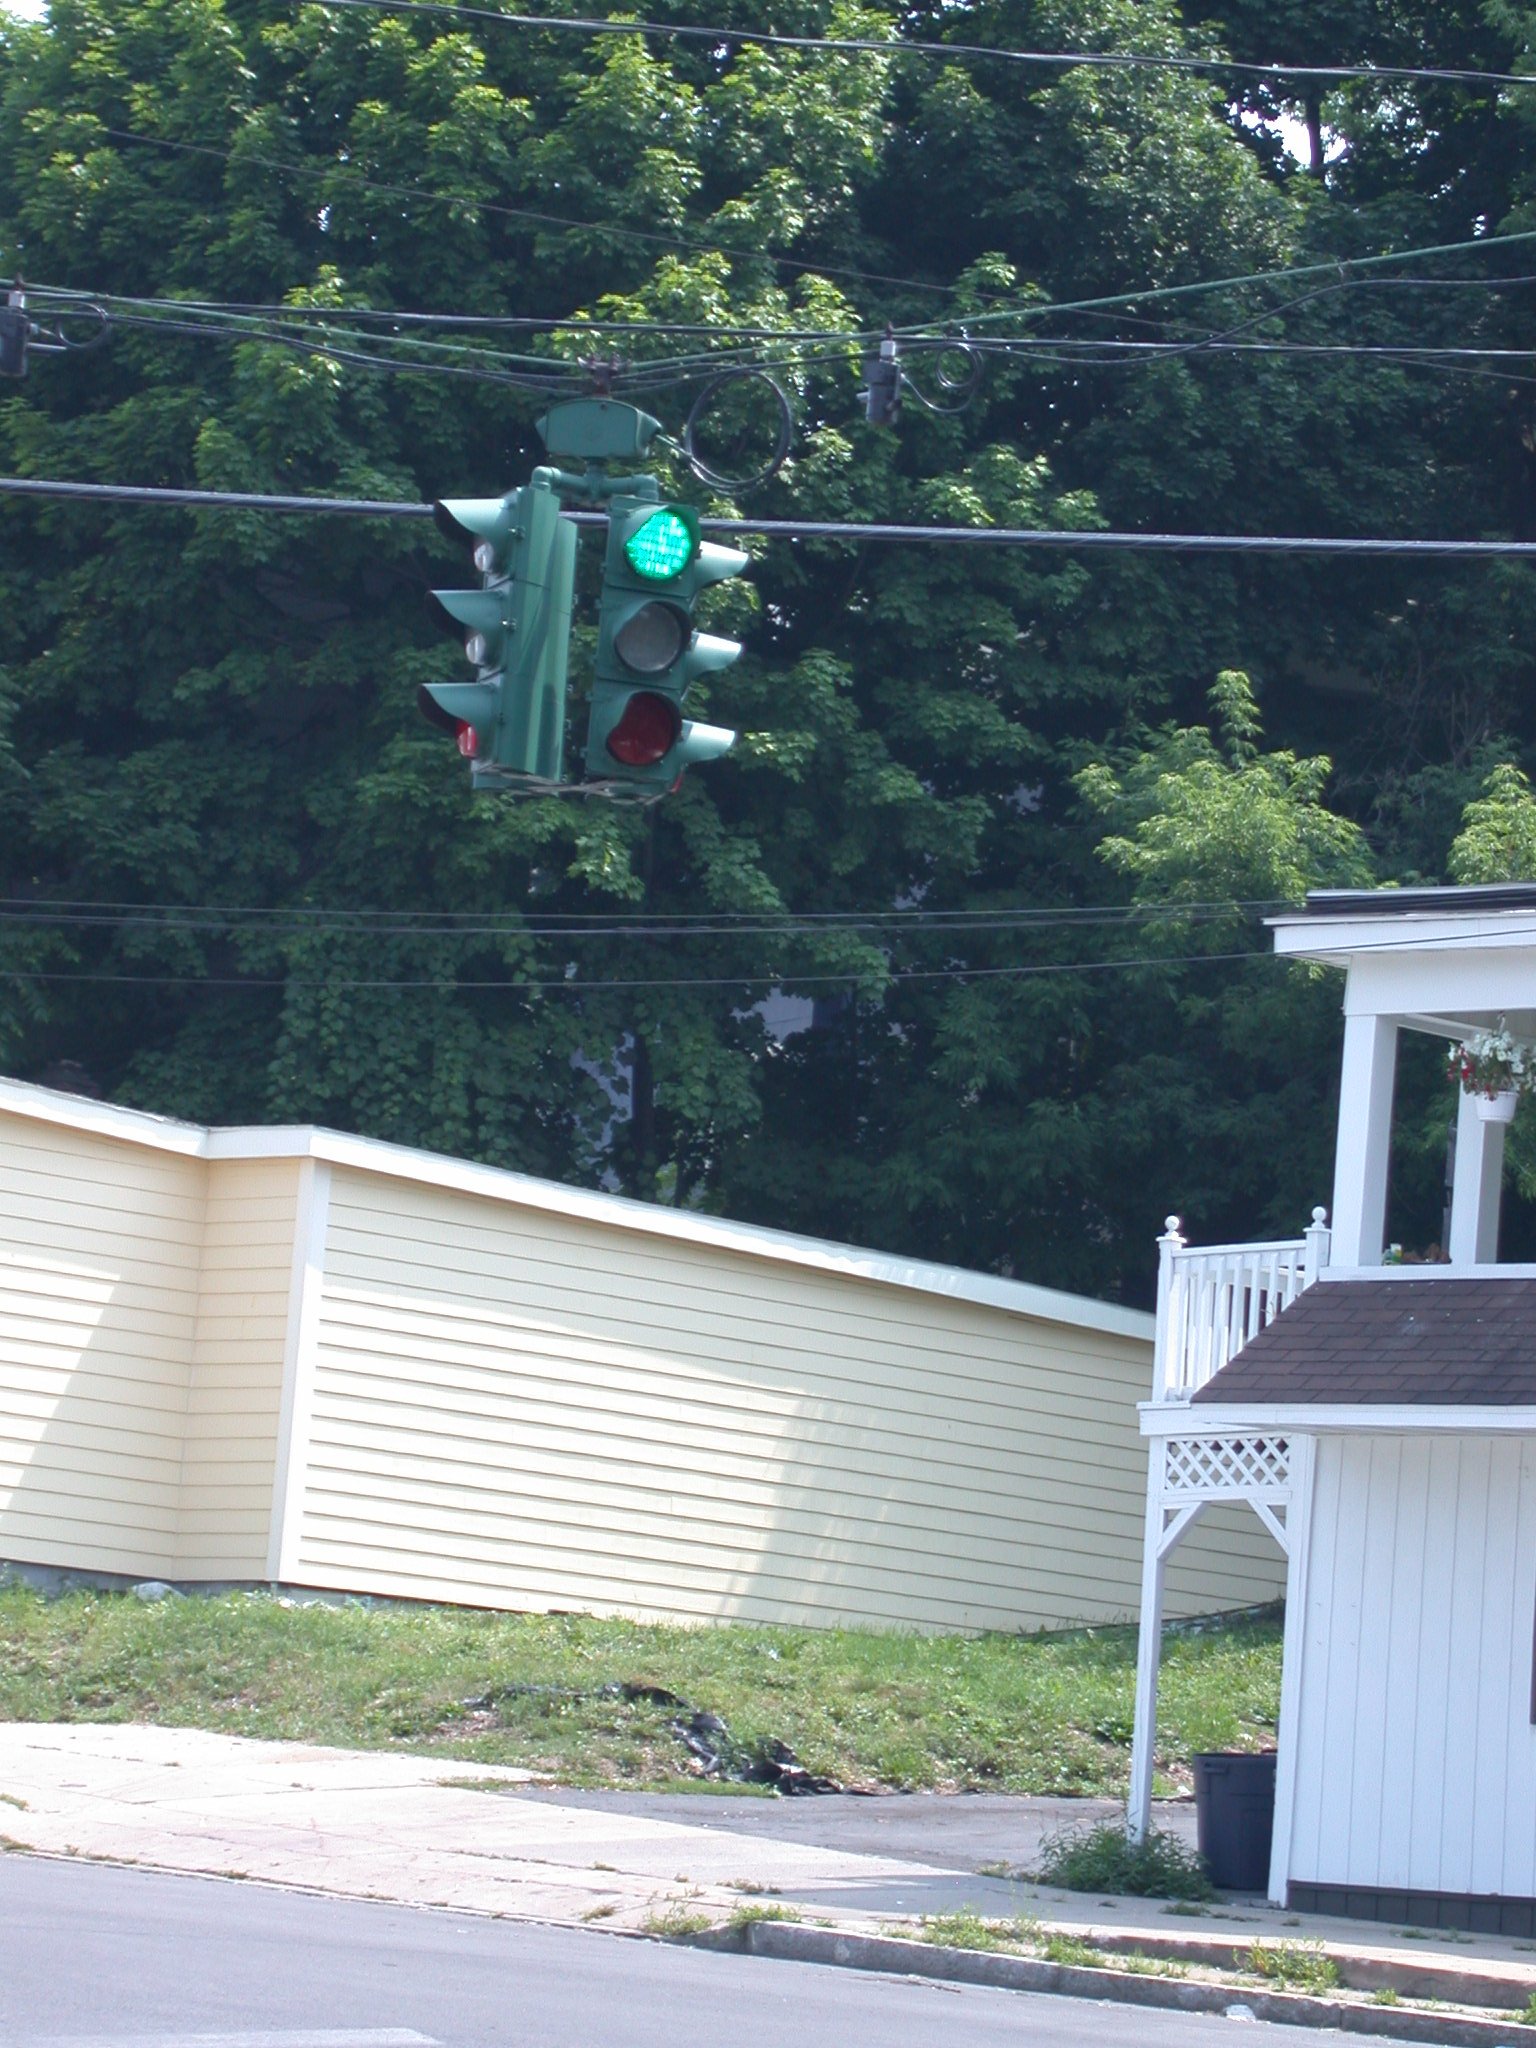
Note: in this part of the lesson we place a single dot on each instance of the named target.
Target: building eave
(462, 1176)
(1321, 1418)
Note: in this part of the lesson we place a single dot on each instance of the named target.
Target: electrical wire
(1120, 60)
(656, 374)
(302, 921)
(571, 985)
(821, 529)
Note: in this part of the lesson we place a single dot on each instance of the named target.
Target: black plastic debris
(705, 1736)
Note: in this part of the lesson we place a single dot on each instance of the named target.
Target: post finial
(1171, 1225)
(1319, 1217)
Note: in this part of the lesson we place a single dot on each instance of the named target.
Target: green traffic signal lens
(663, 546)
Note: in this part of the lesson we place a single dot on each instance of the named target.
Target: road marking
(295, 2037)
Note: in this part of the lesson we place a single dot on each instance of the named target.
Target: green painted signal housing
(656, 565)
(516, 630)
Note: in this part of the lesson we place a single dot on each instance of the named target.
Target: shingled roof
(1438, 1342)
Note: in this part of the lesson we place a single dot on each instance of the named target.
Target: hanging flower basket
(1496, 1068)
(1500, 1108)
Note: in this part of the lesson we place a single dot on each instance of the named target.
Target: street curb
(1423, 1977)
(786, 1942)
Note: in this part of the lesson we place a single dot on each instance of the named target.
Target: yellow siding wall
(99, 1250)
(234, 1396)
(527, 1411)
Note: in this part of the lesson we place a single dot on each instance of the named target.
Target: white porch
(1447, 962)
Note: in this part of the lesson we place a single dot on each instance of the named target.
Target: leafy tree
(974, 788)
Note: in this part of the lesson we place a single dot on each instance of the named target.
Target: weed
(1294, 1965)
(1104, 1859)
(994, 1870)
(674, 1920)
(1146, 1966)
(1414, 1933)
(750, 1886)
(10, 1799)
(1072, 1949)
(1384, 1995)
(1187, 1909)
(600, 1912)
(748, 1916)
(9, 1846)
(1528, 2016)
(970, 1930)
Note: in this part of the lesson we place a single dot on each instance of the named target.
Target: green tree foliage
(1497, 840)
(244, 881)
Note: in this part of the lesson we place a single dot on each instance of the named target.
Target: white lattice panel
(1211, 1467)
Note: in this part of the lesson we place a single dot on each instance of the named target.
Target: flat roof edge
(404, 1162)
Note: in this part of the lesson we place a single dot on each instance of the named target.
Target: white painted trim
(1281, 1531)
(1477, 1189)
(1384, 1418)
(1184, 1519)
(1149, 1649)
(103, 1119)
(1359, 1212)
(311, 1221)
(462, 1176)
(1298, 1546)
(1402, 1275)
(1323, 938)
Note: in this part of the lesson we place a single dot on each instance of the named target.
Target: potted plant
(1496, 1068)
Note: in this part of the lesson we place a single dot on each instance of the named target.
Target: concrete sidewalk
(432, 1832)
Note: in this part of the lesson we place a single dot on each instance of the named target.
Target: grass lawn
(998, 1713)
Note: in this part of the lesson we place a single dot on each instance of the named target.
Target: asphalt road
(132, 1959)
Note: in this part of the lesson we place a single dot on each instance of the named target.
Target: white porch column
(1149, 1648)
(1475, 1193)
(1365, 1139)
(1298, 1550)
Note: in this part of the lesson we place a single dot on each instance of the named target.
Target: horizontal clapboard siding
(1416, 1757)
(532, 1411)
(99, 1285)
(230, 1444)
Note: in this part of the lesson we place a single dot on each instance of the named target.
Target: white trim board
(310, 1225)
(1322, 1418)
(462, 1176)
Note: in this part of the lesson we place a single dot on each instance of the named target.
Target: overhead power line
(815, 529)
(575, 985)
(300, 921)
(1054, 60)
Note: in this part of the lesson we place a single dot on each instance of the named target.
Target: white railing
(1213, 1299)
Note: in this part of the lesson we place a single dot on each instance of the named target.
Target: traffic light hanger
(22, 337)
(510, 722)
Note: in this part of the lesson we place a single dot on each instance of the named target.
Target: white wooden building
(296, 1357)
(1381, 1421)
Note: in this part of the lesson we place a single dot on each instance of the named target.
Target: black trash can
(1235, 1815)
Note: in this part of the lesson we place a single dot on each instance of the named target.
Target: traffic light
(15, 331)
(882, 395)
(638, 740)
(516, 629)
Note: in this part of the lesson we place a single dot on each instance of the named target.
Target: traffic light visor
(663, 545)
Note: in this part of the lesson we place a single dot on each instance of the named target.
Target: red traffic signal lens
(469, 742)
(646, 732)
